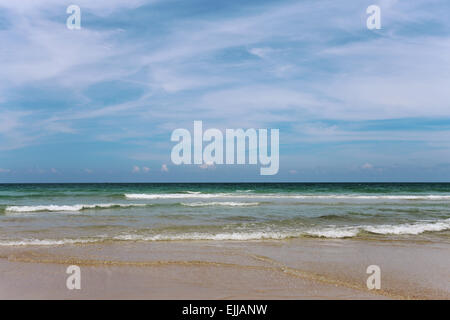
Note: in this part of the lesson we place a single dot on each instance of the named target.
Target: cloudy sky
(100, 103)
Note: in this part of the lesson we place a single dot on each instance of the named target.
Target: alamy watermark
(74, 20)
(374, 20)
(230, 151)
(374, 280)
(74, 280)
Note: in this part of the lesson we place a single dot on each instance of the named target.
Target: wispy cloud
(138, 69)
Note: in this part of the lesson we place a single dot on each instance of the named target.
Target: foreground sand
(288, 269)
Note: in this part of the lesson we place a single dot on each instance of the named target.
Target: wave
(281, 196)
(46, 242)
(173, 195)
(256, 235)
(70, 208)
(80, 207)
(334, 233)
(387, 229)
(230, 204)
(410, 228)
(330, 232)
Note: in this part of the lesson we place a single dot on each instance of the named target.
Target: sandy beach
(288, 269)
(225, 150)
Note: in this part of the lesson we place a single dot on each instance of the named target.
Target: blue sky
(100, 103)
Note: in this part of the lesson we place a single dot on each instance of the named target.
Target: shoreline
(269, 269)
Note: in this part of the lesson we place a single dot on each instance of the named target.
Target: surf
(69, 208)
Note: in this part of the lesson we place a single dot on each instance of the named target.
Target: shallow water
(53, 214)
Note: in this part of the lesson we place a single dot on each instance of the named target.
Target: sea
(59, 214)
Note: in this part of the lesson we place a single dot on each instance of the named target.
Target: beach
(293, 269)
(225, 241)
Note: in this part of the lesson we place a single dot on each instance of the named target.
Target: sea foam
(69, 208)
(410, 228)
(45, 242)
(331, 232)
(283, 196)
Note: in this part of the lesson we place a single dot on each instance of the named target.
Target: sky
(99, 104)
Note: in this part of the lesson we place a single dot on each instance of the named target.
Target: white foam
(46, 242)
(285, 196)
(411, 228)
(333, 232)
(400, 229)
(68, 208)
(173, 195)
(230, 204)
(345, 232)
(257, 235)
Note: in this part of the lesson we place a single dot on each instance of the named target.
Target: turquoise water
(53, 214)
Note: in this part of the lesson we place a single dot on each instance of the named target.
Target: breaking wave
(46, 242)
(411, 228)
(283, 196)
(70, 208)
(326, 232)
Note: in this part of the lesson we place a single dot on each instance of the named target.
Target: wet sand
(288, 269)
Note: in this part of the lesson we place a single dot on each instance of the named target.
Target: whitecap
(410, 228)
(69, 208)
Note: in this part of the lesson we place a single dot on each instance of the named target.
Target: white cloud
(136, 169)
(36, 47)
(391, 77)
(99, 6)
(164, 168)
(2, 170)
(367, 166)
(261, 52)
(207, 165)
(145, 169)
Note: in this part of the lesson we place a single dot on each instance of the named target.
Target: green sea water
(55, 214)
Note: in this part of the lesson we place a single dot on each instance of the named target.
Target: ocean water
(55, 214)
